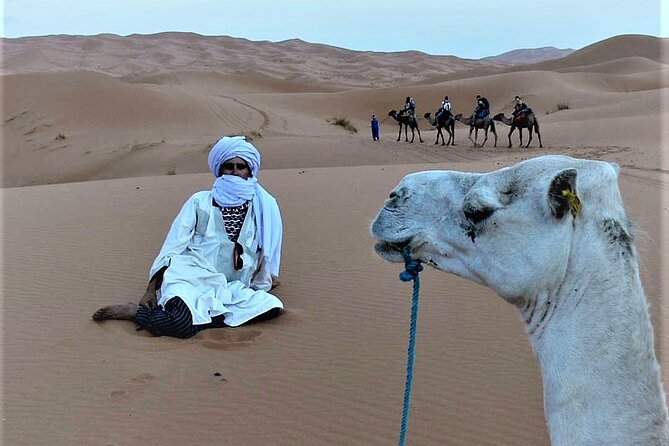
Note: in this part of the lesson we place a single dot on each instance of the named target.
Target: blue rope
(411, 269)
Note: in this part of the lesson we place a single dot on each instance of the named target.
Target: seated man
(220, 257)
(409, 107)
(482, 108)
(444, 109)
(520, 109)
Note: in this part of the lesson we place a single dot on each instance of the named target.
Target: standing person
(482, 108)
(375, 128)
(220, 257)
(445, 107)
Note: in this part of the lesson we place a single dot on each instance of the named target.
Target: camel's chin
(390, 252)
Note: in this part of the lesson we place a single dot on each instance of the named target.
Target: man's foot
(123, 311)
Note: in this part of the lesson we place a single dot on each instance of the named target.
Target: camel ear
(562, 195)
(615, 167)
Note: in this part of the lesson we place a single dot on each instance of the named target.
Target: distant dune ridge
(530, 55)
(167, 52)
(104, 137)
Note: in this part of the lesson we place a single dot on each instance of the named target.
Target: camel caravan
(522, 118)
(550, 236)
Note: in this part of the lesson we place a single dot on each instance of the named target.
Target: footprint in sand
(221, 339)
(134, 387)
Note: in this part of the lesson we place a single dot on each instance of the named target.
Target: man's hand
(149, 299)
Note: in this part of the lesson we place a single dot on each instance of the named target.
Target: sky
(466, 28)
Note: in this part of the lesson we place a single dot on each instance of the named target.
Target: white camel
(551, 236)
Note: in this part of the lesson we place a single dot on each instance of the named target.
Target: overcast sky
(466, 28)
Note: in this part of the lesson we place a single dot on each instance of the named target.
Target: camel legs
(485, 138)
(509, 135)
(450, 136)
(536, 129)
(399, 135)
(471, 129)
(438, 135)
(530, 137)
(420, 138)
(476, 136)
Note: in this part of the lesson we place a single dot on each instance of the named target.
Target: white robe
(199, 256)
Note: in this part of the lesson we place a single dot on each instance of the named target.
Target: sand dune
(618, 47)
(609, 50)
(123, 125)
(166, 52)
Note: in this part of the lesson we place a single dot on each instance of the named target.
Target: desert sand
(104, 137)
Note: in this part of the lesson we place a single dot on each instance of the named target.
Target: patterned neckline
(233, 219)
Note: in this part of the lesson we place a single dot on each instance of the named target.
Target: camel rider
(520, 109)
(409, 107)
(445, 108)
(482, 108)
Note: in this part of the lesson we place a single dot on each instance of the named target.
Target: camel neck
(594, 343)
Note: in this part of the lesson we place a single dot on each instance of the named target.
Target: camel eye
(477, 215)
(506, 197)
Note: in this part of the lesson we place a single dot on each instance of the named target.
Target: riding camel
(550, 236)
(482, 123)
(529, 121)
(406, 121)
(446, 121)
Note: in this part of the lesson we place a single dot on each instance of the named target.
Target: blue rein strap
(411, 269)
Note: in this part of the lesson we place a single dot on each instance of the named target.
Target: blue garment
(482, 113)
(375, 129)
(520, 109)
(482, 108)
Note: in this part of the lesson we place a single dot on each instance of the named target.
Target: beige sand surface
(131, 111)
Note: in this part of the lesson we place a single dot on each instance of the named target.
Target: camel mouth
(391, 251)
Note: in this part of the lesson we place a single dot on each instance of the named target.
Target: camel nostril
(476, 215)
(399, 194)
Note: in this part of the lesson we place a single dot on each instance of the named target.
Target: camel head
(431, 119)
(498, 117)
(392, 113)
(512, 229)
(463, 119)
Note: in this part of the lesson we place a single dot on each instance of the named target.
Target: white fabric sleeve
(178, 237)
(270, 226)
(262, 279)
